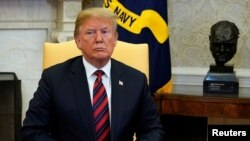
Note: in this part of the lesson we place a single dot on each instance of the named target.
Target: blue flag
(145, 21)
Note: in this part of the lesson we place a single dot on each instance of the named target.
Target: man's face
(97, 39)
(222, 45)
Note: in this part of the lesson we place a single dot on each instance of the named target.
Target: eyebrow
(92, 28)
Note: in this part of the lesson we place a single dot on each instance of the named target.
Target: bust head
(223, 41)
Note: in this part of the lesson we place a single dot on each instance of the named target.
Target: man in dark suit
(63, 107)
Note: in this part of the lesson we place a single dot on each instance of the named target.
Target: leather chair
(134, 55)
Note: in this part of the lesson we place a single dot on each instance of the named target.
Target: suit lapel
(82, 97)
(116, 100)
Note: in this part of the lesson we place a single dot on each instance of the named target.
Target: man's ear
(77, 41)
(116, 34)
(116, 38)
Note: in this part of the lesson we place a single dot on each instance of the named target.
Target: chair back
(134, 55)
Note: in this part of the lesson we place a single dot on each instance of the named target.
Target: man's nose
(99, 36)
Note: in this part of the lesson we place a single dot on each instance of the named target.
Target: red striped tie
(101, 109)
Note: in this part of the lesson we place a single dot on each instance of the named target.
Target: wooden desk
(203, 106)
(185, 117)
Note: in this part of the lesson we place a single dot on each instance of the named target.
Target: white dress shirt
(90, 69)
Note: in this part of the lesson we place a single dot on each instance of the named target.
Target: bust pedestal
(221, 80)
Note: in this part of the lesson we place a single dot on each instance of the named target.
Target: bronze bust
(223, 41)
(221, 79)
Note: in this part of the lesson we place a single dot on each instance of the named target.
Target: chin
(103, 57)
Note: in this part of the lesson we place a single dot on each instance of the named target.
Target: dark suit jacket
(61, 108)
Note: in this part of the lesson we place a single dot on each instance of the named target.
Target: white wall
(190, 22)
(21, 52)
(24, 26)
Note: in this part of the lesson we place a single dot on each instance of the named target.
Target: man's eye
(217, 44)
(89, 33)
(105, 31)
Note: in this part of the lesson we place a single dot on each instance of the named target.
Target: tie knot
(98, 73)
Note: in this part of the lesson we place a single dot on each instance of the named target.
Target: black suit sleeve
(36, 125)
(150, 128)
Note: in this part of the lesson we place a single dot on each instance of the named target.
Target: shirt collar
(90, 69)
